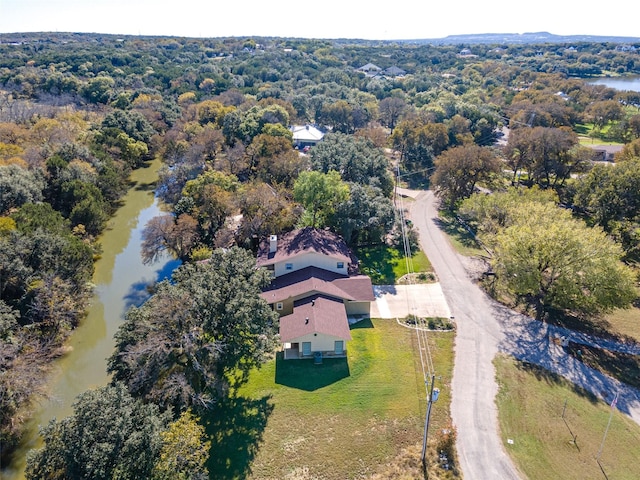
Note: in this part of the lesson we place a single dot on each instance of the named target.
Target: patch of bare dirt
(476, 267)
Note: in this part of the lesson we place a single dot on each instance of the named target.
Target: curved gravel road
(478, 335)
(485, 327)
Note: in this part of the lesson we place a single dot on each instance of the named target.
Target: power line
(421, 330)
(426, 359)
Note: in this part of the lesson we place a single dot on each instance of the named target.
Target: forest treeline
(79, 112)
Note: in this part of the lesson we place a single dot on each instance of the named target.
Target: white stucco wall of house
(310, 260)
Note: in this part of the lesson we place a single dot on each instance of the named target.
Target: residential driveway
(398, 301)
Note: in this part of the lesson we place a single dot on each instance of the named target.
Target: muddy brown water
(120, 280)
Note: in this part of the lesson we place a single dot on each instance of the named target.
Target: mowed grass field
(531, 403)
(359, 417)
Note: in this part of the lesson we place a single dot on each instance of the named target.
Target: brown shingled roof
(305, 240)
(312, 280)
(316, 314)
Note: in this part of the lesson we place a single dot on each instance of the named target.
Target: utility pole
(613, 406)
(426, 422)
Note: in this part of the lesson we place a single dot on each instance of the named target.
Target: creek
(120, 280)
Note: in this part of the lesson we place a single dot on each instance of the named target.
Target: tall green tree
(199, 334)
(391, 109)
(488, 214)
(460, 169)
(110, 435)
(365, 217)
(319, 193)
(603, 112)
(551, 261)
(548, 155)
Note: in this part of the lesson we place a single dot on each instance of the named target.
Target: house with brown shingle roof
(316, 289)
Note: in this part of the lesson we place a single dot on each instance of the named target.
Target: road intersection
(483, 329)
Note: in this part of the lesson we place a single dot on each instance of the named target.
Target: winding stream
(120, 278)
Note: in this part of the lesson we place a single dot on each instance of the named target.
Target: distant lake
(619, 83)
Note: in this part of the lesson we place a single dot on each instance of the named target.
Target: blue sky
(400, 19)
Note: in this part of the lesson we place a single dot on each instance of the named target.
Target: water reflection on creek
(120, 278)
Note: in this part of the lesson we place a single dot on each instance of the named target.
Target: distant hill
(469, 39)
(512, 38)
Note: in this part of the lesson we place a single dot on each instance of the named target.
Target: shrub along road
(485, 327)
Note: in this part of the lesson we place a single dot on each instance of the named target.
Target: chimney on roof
(306, 320)
(273, 243)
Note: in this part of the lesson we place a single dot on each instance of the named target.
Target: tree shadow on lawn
(377, 264)
(452, 227)
(306, 375)
(235, 427)
(544, 375)
(594, 325)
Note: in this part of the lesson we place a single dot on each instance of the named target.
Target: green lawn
(625, 322)
(531, 403)
(385, 265)
(347, 418)
(462, 240)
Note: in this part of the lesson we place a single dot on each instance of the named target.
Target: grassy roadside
(360, 417)
(385, 265)
(531, 403)
(624, 323)
(462, 241)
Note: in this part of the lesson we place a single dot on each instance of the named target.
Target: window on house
(288, 266)
(279, 306)
(340, 264)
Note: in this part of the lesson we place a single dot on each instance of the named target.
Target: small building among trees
(306, 136)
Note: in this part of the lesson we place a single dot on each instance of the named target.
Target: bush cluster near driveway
(531, 403)
(346, 418)
(385, 265)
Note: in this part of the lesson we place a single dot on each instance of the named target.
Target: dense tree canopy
(109, 435)
(365, 217)
(197, 335)
(610, 197)
(78, 112)
(356, 159)
(19, 186)
(551, 261)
